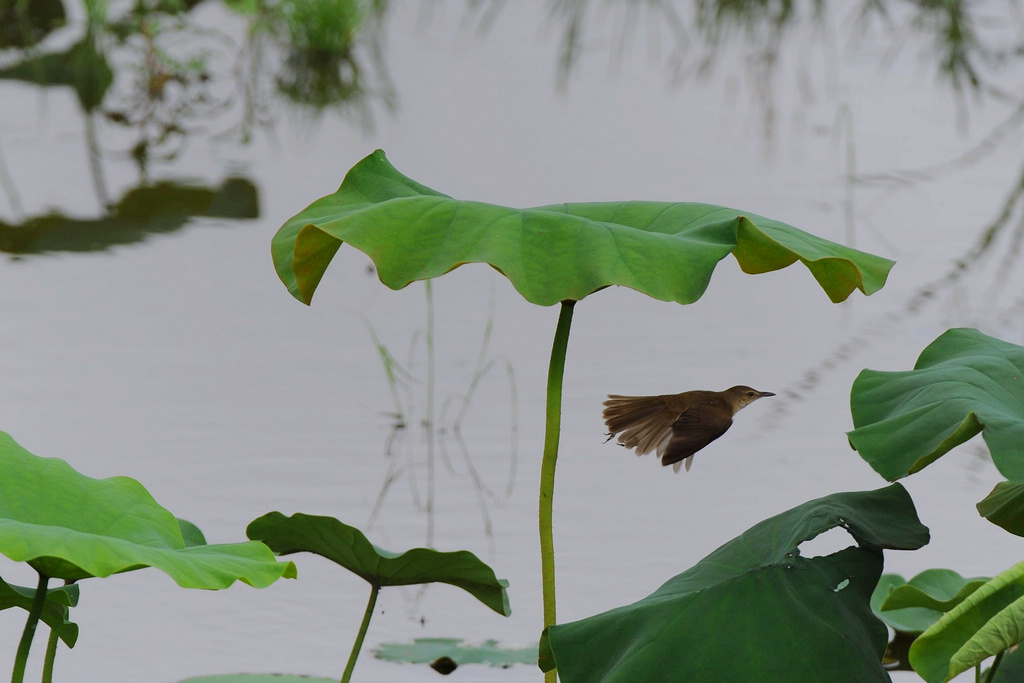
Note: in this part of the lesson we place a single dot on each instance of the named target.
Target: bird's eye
(750, 393)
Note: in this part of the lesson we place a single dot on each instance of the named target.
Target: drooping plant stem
(38, 602)
(556, 369)
(350, 667)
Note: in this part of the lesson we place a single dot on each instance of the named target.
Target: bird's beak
(765, 393)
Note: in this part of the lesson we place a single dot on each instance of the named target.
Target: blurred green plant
(331, 53)
(24, 23)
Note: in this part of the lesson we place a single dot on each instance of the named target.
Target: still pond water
(175, 356)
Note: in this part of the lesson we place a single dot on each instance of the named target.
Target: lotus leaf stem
(556, 369)
(51, 655)
(38, 602)
(995, 665)
(347, 676)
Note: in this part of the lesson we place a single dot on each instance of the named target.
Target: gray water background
(183, 362)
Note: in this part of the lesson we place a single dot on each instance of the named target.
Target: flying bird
(675, 426)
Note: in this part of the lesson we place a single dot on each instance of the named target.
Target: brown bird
(675, 425)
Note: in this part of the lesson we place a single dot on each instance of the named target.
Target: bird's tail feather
(641, 422)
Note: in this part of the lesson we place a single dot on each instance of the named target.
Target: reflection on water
(321, 67)
(150, 79)
(164, 207)
(24, 24)
(81, 67)
(441, 427)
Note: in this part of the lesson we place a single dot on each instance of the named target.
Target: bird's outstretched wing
(690, 433)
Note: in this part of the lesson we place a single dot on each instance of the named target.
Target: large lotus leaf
(70, 526)
(347, 546)
(55, 610)
(988, 621)
(965, 382)
(1004, 507)
(755, 609)
(550, 253)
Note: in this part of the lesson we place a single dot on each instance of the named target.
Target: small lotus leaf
(936, 589)
(910, 607)
(347, 546)
(55, 611)
(1004, 507)
(755, 609)
(550, 253)
(988, 621)
(964, 382)
(190, 533)
(425, 650)
(70, 526)
(911, 621)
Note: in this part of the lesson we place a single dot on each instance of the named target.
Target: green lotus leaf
(964, 383)
(988, 621)
(426, 650)
(935, 589)
(347, 546)
(55, 610)
(755, 609)
(190, 533)
(550, 253)
(912, 606)
(70, 526)
(1004, 507)
(911, 621)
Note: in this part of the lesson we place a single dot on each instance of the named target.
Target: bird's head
(741, 396)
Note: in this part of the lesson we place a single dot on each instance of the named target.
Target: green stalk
(38, 602)
(347, 676)
(51, 656)
(556, 369)
(995, 665)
